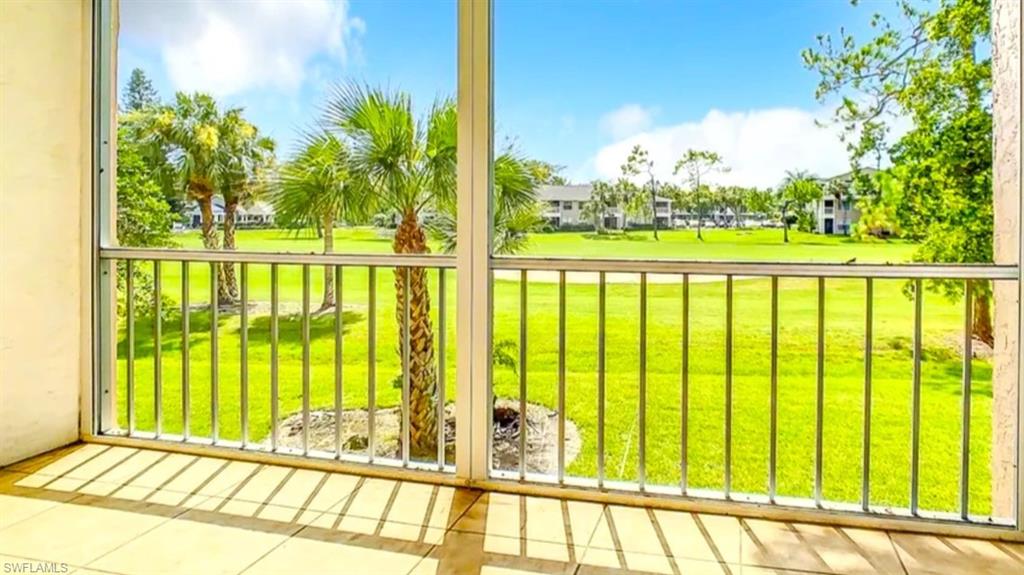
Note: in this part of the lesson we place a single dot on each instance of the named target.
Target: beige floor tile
(714, 538)
(851, 551)
(189, 547)
(14, 509)
(948, 555)
(160, 472)
(59, 461)
(493, 513)
(80, 476)
(303, 555)
(778, 545)
(197, 482)
(117, 476)
(75, 534)
(256, 491)
(450, 504)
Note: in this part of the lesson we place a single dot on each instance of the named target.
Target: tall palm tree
(245, 160)
(188, 134)
(799, 188)
(404, 166)
(313, 193)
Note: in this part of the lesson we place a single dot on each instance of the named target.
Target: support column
(1006, 194)
(473, 252)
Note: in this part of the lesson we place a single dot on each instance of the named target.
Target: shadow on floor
(123, 510)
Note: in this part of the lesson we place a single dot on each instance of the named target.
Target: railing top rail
(234, 256)
(766, 269)
(697, 267)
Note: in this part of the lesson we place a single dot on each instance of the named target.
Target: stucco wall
(1006, 193)
(44, 129)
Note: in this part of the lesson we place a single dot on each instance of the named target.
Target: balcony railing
(678, 278)
(270, 268)
(290, 384)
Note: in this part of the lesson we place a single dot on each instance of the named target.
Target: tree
(695, 165)
(735, 199)
(188, 134)
(639, 163)
(546, 173)
(798, 190)
(402, 165)
(245, 160)
(605, 197)
(140, 93)
(313, 193)
(516, 209)
(764, 202)
(932, 68)
(144, 218)
(699, 201)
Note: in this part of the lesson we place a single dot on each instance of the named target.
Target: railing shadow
(442, 529)
(321, 326)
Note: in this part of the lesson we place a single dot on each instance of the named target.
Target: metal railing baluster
(641, 465)
(339, 348)
(965, 430)
(406, 369)
(442, 339)
(158, 363)
(561, 377)
(915, 422)
(728, 386)
(371, 372)
(243, 356)
(305, 359)
(274, 372)
(869, 319)
(773, 417)
(186, 312)
(601, 319)
(819, 411)
(684, 399)
(523, 427)
(130, 335)
(214, 351)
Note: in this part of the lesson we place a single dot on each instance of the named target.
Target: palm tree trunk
(227, 291)
(410, 239)
(206, 213)
(327, 225)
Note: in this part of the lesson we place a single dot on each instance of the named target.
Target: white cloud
(758, 145)
(627, 120)
(230, 47)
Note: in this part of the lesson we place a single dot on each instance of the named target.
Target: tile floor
(97, 509)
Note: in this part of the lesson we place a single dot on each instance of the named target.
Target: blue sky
(576, 83)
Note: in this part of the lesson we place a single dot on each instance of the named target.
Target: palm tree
(245, 160)
(516, 209)
(403, 166)
(313, 193)
(799, 188)
(188, 134)
(205, 149)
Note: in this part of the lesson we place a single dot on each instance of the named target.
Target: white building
(256, 215)
(563, 207)
(836, 212)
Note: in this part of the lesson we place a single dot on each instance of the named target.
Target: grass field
(844, 373)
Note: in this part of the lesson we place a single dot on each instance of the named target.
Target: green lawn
(940, 435)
